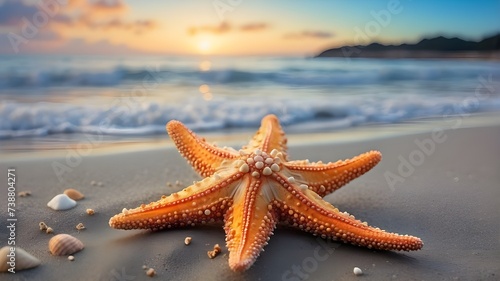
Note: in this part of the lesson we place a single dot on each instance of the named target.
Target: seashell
(357, 271)
(64, 244)
(61, 202)
(24, 260)
(74, 194)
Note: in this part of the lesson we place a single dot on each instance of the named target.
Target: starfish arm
(204, 158)
(203, 202)
(305, 210)
(249, 223)
(326, 178)
(269, 136)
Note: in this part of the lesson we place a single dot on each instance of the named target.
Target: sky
(232, 27)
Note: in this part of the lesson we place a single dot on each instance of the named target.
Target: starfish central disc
(260, 163)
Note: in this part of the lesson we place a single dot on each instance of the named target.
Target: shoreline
(450, 200)
(298, 134)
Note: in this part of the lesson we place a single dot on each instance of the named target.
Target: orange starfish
(253, 189)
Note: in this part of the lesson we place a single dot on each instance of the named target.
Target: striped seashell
(61, 202)
(74, 194)
(23, 260)
(64, 244)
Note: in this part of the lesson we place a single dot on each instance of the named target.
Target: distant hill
(438, 47)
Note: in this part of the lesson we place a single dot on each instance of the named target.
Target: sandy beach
(447, 193)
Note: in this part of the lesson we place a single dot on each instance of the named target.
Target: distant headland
(437, 47)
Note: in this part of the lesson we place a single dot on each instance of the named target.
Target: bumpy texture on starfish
(253, 189)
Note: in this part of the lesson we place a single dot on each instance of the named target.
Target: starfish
(257, 187)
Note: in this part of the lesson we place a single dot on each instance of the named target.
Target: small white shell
(24, 260)
(74, 194)
(357, 271)
(61, 202)
(64, 244)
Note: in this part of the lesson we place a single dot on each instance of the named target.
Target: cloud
(225, 27)
(72, 46)
(103, 47)
(12, 43)
(12, 12)
(86, 19)
(75, 14)
(116, 23)
(103, 15)
(256, 26)
(95, 5)
(309, 34)
(48, 35)
(108, 6)
(214, 29)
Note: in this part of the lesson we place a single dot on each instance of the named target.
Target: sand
(450, 200)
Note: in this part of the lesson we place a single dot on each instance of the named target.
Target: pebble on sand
(357, 271)
(150, 272)
(24, 193)
(42, 225)
(212, 254)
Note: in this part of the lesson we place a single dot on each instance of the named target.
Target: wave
(41, 119)
(285, 76)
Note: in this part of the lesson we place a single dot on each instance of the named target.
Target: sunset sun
(204, 46)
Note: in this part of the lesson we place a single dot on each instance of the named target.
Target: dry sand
(450, 200)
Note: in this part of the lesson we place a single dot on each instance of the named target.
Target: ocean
(116, 97)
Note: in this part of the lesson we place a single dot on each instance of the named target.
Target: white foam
(39, 119)
(307, 95)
